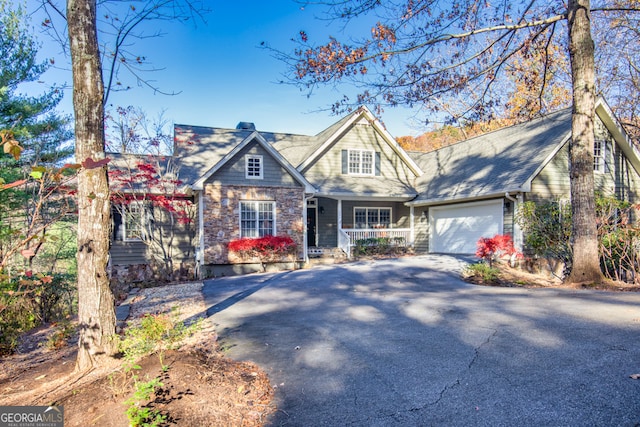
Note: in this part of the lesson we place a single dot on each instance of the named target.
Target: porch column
(518, 238)
(305, 246)
(339, 217)
(412, 235)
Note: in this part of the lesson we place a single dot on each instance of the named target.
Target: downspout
(517, 232)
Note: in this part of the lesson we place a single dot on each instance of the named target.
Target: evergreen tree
(39, 137)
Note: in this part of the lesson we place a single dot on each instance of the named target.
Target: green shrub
(139, 414)
(482, 271)
(18, 314)
(29, 300)
(547, 231)
(155, 332)
(378, 246)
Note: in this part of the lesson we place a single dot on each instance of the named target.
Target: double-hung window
(599, 156)
(372, 217)
(133, 215)
(361, 162)
(257, 218)
(253, 167)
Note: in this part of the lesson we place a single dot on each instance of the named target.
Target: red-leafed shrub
(267, 249)
(490, 248)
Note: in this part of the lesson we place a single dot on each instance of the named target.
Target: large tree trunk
(586, 265)
(96, 310)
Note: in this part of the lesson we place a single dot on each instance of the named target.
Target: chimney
(246, 126)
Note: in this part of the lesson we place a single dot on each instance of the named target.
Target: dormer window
(361, 162)
(253, 167)
(599, 156)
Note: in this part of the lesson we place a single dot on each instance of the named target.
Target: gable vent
(246, 126)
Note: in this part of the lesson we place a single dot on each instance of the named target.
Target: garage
(455, 229)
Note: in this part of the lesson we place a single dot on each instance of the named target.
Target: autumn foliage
(490, 248)
(267, 248)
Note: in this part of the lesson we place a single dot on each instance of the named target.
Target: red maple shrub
(267, 248)
(490, 248)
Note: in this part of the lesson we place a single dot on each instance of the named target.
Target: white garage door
(456, 229)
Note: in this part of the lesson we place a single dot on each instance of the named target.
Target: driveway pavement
(406, 343)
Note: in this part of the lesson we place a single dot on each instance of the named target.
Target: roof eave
(494, 195)
(345, 195)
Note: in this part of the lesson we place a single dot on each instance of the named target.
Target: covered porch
(343, 224)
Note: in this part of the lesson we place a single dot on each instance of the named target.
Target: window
(361, 162)
(257, 219)
(599, 156)
(132, 221)
(372, 217)
(253, 167)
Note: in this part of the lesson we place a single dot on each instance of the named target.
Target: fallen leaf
(28, 253)
(89, 163)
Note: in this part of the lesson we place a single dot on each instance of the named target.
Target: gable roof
(254, 136)
(204, 150)
(492, 164)
(328, 137)
(619, 134)
(199, 148)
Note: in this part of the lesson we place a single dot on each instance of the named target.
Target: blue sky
(223, 75)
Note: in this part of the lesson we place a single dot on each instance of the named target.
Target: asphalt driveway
(406, 343)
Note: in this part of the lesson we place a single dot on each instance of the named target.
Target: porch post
(305, 246)
(518, 237)
(339, 217)
(412, 235)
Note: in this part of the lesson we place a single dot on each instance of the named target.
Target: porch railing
(344, 242)
(396, 236)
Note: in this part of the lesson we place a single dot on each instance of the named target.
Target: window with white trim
(361, 162)
(253, 166)
(599, 156)
(132, 217)
(257, 218)
(372, 217)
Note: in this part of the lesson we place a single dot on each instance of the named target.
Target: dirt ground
(517, 277)
(200, 387)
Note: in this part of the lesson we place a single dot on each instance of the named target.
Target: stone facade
(221, 204)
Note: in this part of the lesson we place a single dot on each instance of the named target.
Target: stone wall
(222, 222)
(125, 277)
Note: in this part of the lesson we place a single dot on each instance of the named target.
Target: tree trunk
(586, 265)
(96, 310)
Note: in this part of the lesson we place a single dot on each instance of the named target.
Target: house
(472, 189)
(353, 181)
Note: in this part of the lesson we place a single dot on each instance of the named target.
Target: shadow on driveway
(406, 342)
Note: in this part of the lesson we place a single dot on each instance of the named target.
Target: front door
(311, 226)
